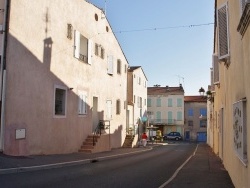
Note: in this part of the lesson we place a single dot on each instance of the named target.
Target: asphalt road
(147, 169)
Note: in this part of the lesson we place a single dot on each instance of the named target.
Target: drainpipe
(3, 74)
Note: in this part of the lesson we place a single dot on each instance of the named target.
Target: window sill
(59, 116)
(245, 20)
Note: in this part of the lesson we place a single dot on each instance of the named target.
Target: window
(82, 103)
(190, 112)
(109, 109)
(179, 116)
(60, 101)
(179, 102)
(203, 123)
(145, 102)
(149, 102)
(245, 14)
(134, 99)
(170, 117)
(239, 127)
(158, 102)
(99, 51)
(190, 123)
(125, 68)
(118, 66)
(170, 102)
(216, 77)
(83, 48)
(203, 112)
(158, 117)
(139, 80)
(69, 31)
(118, 107)
(110, 64)
(222, 16)
(243, 4)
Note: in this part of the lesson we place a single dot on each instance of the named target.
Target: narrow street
(147, 169)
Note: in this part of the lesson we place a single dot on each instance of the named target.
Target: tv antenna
(183, 83)
(104, 11)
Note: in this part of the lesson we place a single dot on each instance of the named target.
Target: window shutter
(90, 44)
(109, 109)
(216, 78)
(79, 104)
(110, 64)
(77, 44)
(82, 107)
(243, 4)
(222, 15)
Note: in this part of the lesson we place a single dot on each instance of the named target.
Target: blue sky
(162, 37)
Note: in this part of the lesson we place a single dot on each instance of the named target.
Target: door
(95, 117)
(187, 135)
(201, 136)
(221, 133)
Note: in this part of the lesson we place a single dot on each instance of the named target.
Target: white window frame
(64, 102)
(82, 103)
(243, 5)
(216, 75)
(239, 130)
(79, 48)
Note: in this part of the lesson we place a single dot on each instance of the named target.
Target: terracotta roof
(197, 98)
(132, 68)
(165, 90)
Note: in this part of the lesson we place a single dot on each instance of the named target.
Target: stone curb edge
(65, 164)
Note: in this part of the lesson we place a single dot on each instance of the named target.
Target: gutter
(3, 73)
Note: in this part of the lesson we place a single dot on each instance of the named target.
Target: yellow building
(228, 122)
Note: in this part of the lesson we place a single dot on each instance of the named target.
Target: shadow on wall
(31, 105)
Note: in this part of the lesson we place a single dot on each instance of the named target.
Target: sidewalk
(204, 169)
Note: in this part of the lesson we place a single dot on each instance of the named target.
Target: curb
(65, 164)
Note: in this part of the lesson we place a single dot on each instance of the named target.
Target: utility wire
(163, 28)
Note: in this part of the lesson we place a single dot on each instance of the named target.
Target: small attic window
(69, 31)
(96, 17)
(107, 28)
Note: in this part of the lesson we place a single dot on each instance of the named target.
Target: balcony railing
(83, 58)
(166, 122)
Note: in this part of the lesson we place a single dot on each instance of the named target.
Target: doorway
(95, 117)
(187, 135)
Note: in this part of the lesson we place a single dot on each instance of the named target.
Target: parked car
(172, 136)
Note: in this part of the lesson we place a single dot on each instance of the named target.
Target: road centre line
(177, 171)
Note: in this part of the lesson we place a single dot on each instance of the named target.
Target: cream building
(62, 70)
(166, 108)
(137, 99)
(229, 112)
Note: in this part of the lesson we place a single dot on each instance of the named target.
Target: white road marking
(177, 171)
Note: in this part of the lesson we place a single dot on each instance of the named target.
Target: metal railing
(165, 122)
(102, 125)
(83, 58)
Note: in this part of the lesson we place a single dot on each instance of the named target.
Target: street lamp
(202, 91)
